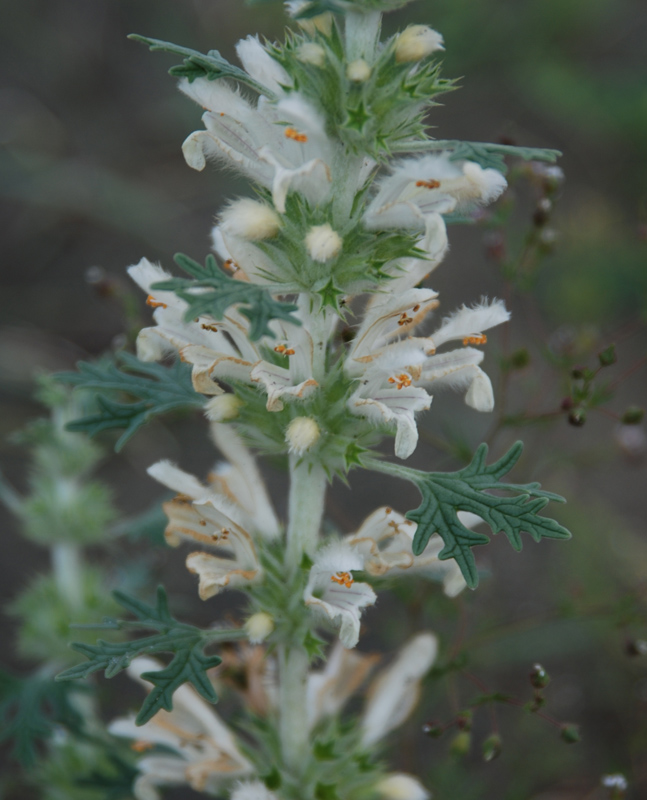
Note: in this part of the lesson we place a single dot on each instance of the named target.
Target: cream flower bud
(358, 71)
(417, 42)
(323, 242)
(311, 53)
(301, 435)
(223, 408)
(321, 22)
(258, 627)
(401, 787)
(250, 219)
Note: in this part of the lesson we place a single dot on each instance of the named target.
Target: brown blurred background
(92, 179)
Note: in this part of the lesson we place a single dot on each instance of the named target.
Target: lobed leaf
(212, 292)
(159, 389)
(484, 154)
(185, 642)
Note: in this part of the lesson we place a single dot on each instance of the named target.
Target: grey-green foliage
(446, 493)
(158, 390)
(210, 291)
(46, 615)
(30, 708)
(185, 642)
(487, 155)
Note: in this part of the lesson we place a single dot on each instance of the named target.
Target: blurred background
(92, 179)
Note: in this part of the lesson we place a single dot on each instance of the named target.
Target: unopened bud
(633, 416)
(539, 678)
(401, 787)
(250, 219)
(223, 407)
(323, 242)
(258, 627)
(461, 743)
(417, 42)
(570, 733)
(492, 747)
(321, 23)
(358, 71)
(577, 417)
(302, 434)
(311, 53)
(607, 357)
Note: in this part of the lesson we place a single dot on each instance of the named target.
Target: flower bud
(570, 733)
(301, 435)
(417, 42)
(492, 747)
(358, 71)
(258, 627)
(460, 745)
(320, 22)
(223, 407)
(311, 53)
(608, 356)
(401, 787)
(323, 242)
(250, 219)
(633, 416)
(539, 678)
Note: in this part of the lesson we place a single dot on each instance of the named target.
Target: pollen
(431, 184)
(481, 338)
(231, 265)
(401, 381)
(405, 319)
(343, 579)
(292, 133)
(153, 303)
(141, 746)
(283, 350)
(209, 327)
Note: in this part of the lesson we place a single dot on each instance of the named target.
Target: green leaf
(29, 710)
(446, 493)
(485, 154)
(212, 292)
(186, 642)
(159, 390)
(211, 66)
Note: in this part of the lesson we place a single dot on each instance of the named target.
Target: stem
(306, 506)
(307, 492)
(66, 563)
(362, 34)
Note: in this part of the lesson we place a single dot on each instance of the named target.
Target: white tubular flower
(394, 693)
(419, 187)
(199, 514)
(301, 435)
(257, 141)
(417, 42)
(204, 754)
(323, 243)
(401, 787)
(239, 478)
(384, 541)
(358, 71)
(261, 66)
(252, 790)
(221, 349)
(409, 272)
(329, 689)
(250, 219)
(388, 367)
(258, 627)
(332, 590)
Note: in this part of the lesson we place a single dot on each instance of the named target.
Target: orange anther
(202, 522)
(432, 184)
(141, 746)
(388, 510)
(283, 350)
(343, 579)
(401, 380)
(153, 303)
(292, 133)
(480, 339)
(416, 308)
(230, 264)
(405, 319)
(209, 327)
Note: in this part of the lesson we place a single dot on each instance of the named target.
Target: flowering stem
(293, 672)
(362, 34)
(307, 492)
(66, 563)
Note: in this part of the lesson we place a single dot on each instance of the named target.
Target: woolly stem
(66, 564)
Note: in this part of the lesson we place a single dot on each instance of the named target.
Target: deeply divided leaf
(157, 389)
(212, 292)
